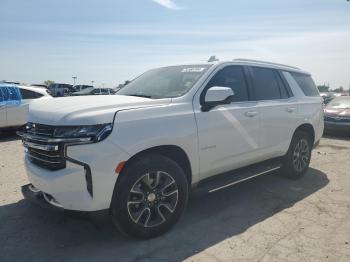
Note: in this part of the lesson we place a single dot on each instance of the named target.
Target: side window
(13, 94)
(2, 95)
(6, 93)
(266, 85)
(27, 94)
(306, 84)
(10, 94)
(233, 77)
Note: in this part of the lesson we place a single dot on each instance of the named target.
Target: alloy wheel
(152, 199)
(301, 155)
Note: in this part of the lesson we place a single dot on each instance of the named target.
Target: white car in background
(14, 103)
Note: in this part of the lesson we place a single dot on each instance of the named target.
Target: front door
(228, 134)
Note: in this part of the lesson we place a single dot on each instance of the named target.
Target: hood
(86, 110)
(337, 112)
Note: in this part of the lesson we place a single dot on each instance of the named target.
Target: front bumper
(40, 198)
(68, 186)
(47, 202)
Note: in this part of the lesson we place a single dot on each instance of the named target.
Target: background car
(59, 90)
(14, 103)
(78, 88)
(337, 114)
(39, 86)
(94, 91)
(327, 96)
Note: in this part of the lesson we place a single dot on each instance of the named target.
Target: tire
(150, 196)
(296, 161)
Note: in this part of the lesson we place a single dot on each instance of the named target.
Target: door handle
(290, 109)
(251, 113)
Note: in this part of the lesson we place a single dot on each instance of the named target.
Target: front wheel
(297, 159)
(150, 196)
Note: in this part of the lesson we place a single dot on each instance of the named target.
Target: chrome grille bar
(43, 154)
(44, 160)
(49, 148)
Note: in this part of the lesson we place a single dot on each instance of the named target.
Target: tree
(323, 88)
(339, 90)
(125, 83)
(49, 82)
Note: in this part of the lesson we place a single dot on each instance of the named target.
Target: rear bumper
(332, 126)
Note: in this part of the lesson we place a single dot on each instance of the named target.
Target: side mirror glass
(217, 95)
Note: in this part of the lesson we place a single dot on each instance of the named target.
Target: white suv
(139, 153)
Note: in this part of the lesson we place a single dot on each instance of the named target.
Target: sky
(110, 41)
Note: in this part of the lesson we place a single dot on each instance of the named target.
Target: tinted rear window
(306, 84)
(266, 85)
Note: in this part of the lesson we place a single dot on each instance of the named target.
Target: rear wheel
(150, 196)
(297, 159)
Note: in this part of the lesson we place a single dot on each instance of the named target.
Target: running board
(228, 179)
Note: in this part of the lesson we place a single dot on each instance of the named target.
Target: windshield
(166, 82)
(342, 103)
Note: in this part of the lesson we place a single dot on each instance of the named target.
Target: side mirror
(217, 95)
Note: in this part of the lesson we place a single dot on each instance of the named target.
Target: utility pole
(74, 79)
(92, 82)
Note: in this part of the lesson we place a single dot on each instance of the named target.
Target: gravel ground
(266, 219)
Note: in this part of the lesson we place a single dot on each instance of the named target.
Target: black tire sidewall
(288, 167)
(135, 170)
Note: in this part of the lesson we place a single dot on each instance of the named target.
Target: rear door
(278, 110)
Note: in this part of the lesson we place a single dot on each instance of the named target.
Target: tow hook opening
(47, 197)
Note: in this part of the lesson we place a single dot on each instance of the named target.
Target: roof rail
(264, 62)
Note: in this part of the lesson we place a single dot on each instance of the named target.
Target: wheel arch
(307, 128)
(173, 152)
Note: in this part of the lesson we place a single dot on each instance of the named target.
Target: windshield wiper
(139, 95)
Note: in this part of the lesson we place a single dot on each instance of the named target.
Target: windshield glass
(166, 82)
(340, 103)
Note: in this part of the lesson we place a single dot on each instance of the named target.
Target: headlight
(95, 132)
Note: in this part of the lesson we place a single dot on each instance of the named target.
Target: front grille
(52, 160)
(337, 119)
(40, 150)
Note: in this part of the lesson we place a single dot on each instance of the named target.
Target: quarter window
(233, 77)
(306, 84)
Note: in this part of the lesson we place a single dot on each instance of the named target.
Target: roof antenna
(213, 59)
